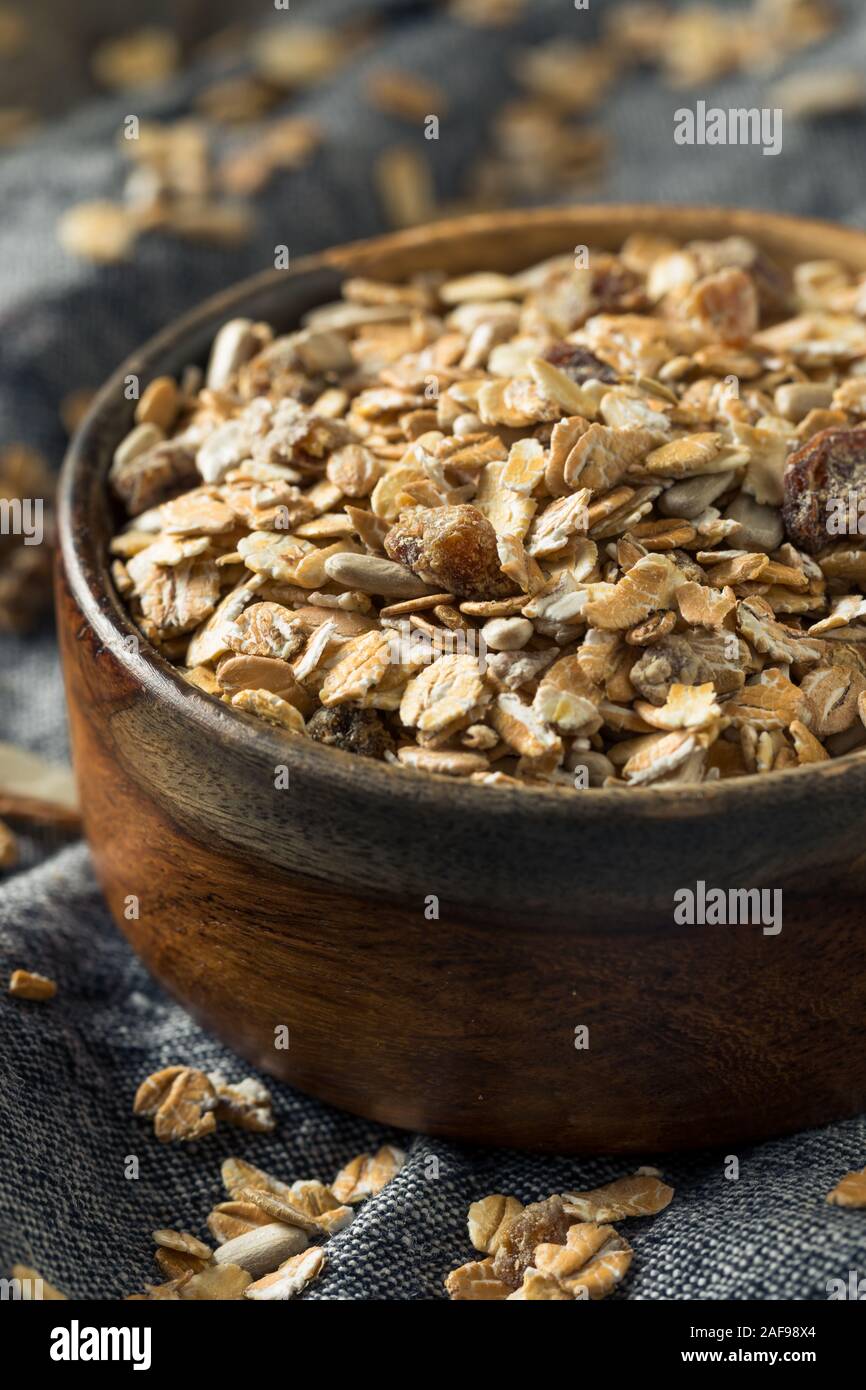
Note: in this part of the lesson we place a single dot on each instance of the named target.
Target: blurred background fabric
(536, 102)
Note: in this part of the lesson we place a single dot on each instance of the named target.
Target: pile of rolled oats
(596, 523)
(563, 1248)
(269, 1234)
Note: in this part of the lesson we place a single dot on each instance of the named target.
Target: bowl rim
(88, 577)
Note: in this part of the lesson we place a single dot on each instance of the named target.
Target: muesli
(597, 523)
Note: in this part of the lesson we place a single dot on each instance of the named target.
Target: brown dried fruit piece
(540, 1223)
(355, 730)
(693, 658)
(451, 547)
(830, 468)
(579, 363)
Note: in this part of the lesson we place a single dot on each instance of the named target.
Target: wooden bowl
(313, 908)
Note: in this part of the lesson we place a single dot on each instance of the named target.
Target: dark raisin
(355, 730)
(824, 484)
(452, 547)
(618, 290)
(579, 363)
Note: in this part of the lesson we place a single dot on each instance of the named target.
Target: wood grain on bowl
(433, 948)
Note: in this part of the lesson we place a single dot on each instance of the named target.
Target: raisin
(618, 290)
(692, 658)
(827, 474)
(541, 1223)
(355, 730)
(579, 363)
(453, 548)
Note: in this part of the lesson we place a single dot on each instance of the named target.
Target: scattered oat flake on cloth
(850, 1191)
(489, 1218)
(641, 1195)
(24, 984)
(476, 1282)
(181, 1102)
(367, 1174)
(290, 1278)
